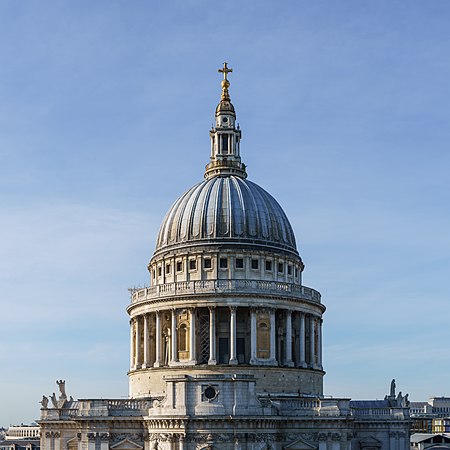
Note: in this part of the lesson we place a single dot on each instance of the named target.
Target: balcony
(218, 287)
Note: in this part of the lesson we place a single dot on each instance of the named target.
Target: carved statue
(62, 388)
(399, 399)
(44, 402)
(405, 401)
(392, 394)
(54, 400)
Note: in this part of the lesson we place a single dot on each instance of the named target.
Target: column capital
(212, 308)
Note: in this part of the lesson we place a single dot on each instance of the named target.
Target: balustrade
(260, 287)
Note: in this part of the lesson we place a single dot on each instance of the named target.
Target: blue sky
(105, 109)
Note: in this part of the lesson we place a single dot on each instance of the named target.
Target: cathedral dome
(226, 210)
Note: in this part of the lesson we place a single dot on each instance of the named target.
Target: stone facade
(225, 342)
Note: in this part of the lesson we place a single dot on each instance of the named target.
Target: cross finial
(225, 71)
(225, 83)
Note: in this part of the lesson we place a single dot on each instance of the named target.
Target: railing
(257, 287)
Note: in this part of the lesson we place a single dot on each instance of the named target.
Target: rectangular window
(167, 268)
(223, 263)
(224, 143)
(268, 265)
(192, 264)
(280, 267)
(207, 263)
(289, 270)
(179, 266)
(239, 263)
(159, 271)
(296, 272)
(255, 264)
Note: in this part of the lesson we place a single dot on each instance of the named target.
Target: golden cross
(225, 71)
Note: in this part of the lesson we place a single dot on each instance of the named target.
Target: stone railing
(257, 287)
(380, 413)
(107, 407)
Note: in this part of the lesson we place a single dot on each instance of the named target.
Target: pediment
(299, 444)
(370, 442)
(126, 444)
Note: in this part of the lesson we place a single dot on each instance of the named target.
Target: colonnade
(276, 337)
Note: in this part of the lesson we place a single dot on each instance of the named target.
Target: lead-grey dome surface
(225, 210)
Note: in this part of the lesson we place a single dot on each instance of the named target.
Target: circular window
(210, 393)
(225, 120)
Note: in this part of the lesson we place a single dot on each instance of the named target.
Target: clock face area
(226, 122)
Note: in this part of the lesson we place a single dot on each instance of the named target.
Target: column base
(212, 362)
(290, 363)
(157, 364)
(303, 365)
(233, 362)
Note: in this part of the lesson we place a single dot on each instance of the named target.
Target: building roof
(226, 210)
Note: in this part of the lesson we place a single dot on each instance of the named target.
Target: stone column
(212, 335)
(312, 343)
(137, 363)
(181, 442)
(131, 344)
(252, 336)
(273, 359)
(302, 332)
(56, 441)
(91, 441)
(233, 360)
(192, 337)
(146, 359)
(319, 343)
(157, 340)
(104, 441)
(288, 342)
(173, 332)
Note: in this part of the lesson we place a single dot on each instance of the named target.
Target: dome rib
(224, 210)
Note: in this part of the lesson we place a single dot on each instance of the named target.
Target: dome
(226, 210)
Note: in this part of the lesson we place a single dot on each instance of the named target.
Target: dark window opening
(268, 265)
(207, 263)
(239, 263)
(255, 264)
(224, 143)
(179, 266)
(192, 264)
(280, 267)
(223, 263)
